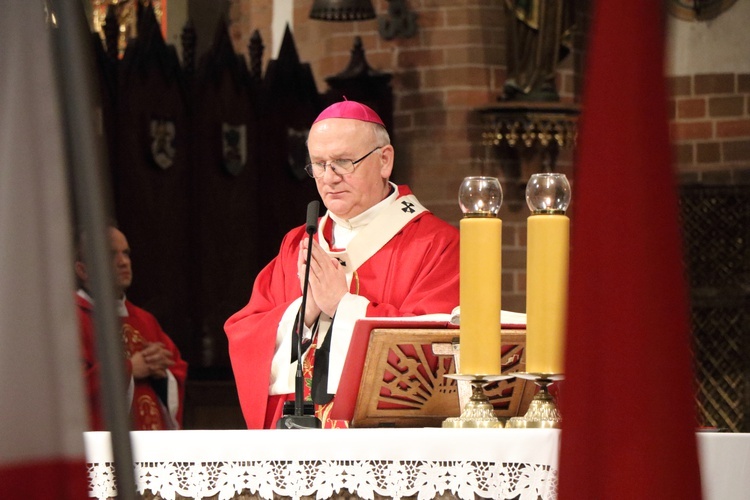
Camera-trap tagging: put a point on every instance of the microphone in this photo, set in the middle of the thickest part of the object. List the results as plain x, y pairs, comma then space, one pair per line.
304, 413
312, 217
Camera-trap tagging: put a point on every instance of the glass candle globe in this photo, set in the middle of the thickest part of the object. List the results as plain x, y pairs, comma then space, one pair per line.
548, 193
480, 196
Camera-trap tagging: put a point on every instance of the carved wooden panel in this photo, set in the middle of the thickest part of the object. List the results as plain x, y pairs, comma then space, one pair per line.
404, 384
290, 104
716, 225
225, 190
150, 175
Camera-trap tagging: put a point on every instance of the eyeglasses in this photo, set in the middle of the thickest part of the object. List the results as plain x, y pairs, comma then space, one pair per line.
342, 167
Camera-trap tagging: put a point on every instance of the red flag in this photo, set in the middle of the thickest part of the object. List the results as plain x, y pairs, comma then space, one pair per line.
629, 416
42, 414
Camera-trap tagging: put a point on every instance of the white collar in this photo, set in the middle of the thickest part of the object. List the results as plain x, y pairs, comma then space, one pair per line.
122, 309
368, 215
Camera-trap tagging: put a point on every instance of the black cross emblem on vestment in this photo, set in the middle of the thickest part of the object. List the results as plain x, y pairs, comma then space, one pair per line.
341, 262
408, 207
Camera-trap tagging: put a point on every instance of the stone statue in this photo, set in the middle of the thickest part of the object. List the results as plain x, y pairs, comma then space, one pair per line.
539, 37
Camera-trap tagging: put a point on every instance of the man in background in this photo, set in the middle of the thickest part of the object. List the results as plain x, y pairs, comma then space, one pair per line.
152, 360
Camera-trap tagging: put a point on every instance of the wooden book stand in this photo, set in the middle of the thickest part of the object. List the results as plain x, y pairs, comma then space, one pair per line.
394, 376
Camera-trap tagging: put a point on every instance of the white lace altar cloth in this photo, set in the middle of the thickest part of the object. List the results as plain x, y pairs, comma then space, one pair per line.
393, 463
323, 479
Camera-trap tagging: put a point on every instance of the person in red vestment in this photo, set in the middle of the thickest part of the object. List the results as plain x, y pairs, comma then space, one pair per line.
377, 253
157, 370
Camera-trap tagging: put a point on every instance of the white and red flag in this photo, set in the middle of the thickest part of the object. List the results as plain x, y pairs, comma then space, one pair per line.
42, 407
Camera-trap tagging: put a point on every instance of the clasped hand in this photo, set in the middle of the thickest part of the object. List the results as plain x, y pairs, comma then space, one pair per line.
152, 361
327, 285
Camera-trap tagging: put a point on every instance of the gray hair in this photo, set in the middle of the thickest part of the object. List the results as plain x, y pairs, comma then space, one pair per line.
381, 135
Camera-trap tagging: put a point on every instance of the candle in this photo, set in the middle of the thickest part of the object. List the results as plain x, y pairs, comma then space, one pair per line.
480, 278
548, 243
481, 267
546, 292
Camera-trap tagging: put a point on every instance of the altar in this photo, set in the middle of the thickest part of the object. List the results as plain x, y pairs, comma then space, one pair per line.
420, 463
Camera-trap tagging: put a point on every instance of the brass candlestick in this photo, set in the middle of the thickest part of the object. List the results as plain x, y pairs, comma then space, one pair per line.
542, 412
479, 412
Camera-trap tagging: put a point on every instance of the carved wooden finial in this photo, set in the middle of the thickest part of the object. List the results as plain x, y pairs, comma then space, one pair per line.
255, 49
111, 30
188, 39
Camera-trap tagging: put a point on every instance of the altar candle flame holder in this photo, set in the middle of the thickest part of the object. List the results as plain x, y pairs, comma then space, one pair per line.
542, 412
478, 412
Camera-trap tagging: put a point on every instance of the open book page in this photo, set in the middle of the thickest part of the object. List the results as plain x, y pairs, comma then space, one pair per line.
506, 317
437, 318
454, 318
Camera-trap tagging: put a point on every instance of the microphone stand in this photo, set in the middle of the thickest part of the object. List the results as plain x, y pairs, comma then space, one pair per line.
303, 419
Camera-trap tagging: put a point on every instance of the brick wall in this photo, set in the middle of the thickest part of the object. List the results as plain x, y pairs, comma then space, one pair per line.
710, 127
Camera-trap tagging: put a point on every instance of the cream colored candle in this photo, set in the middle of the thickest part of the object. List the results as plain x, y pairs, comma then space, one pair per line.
548, 244
481, 268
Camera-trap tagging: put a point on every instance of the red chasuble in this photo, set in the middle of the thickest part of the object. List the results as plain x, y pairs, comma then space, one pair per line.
414, 273
139, 327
